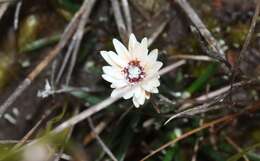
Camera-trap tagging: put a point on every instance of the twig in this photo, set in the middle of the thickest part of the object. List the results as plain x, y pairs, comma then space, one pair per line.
66, 58
73, 58
189, 133
123, 115
193, 57
199, 109
245, 46
65, 61
204, 32
98, 129
166, 99
232, 143
30, 133
88, 4
12, 141
195, 150
127, 14
18, 91
140, 10
54, 67
119, 20
215, 93
227, 118
102, 105
197, 143
3, 8
249, 34
16, 15
102, 144
70, 29
59, 155
157, 32
7, 1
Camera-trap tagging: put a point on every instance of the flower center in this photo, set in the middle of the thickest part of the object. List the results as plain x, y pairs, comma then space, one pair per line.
134, 72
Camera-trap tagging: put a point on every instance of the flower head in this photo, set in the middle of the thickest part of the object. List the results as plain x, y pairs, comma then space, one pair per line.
132, 68
37, 152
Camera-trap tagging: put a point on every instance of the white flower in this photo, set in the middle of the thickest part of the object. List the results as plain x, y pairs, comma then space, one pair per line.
132, 67
46, 92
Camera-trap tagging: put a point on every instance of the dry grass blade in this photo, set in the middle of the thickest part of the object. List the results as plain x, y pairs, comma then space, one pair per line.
3, 8
68, 136
204, 32
11, 141
198, 109
65, 61
97, 130
189, 133
69, 31
102, 144
232, 143
158, 31
216, 93
119, 20
6, 1
226, 118
193, 57
88, 5
249, 34
31, 132
17, 14
126, 10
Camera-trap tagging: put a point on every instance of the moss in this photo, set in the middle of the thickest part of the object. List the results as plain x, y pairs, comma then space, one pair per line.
5, 70
28, 30
236, 34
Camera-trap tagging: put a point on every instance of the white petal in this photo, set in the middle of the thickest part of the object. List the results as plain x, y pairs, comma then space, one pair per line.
138, 50
136, 103
150, 85
129, 94
140, 53
132, 42
110, 78
113, 59
139, 95
154, 82
152, 69
118, 60
153, 55
117, 92
113, 72
142, 97
118, 84
158, 65
155, 90
121, 50
144, 43
105, 55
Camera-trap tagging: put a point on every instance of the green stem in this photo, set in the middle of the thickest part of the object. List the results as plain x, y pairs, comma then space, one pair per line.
40, 43
69, 5
202, 80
